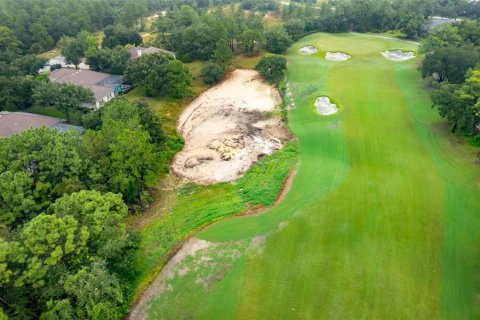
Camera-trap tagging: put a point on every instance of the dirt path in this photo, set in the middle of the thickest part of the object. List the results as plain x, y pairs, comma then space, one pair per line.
189, 248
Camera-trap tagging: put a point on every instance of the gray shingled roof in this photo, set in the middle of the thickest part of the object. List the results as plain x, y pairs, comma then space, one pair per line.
16, 122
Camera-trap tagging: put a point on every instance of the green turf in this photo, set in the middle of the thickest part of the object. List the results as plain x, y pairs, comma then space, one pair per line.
382, 219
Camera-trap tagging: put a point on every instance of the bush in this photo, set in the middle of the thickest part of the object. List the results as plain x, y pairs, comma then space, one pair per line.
272, 68
476, 141
212, 73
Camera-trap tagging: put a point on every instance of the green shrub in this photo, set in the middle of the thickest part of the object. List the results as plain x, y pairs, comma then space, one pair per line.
212, 73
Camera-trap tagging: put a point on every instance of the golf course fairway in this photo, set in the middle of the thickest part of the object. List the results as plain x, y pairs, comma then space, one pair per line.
382, 219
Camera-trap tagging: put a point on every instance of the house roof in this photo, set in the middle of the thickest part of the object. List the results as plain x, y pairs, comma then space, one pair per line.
136, 52
100, 83
79, 77
16, 122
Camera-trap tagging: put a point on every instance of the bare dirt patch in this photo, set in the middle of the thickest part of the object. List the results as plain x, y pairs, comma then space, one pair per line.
337, 56
190, 247
308, 50
398, 55
228, 128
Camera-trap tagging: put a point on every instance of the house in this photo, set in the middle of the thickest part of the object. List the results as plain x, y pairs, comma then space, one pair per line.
434, 22
16, 122
104, 86
136, 52
61, 61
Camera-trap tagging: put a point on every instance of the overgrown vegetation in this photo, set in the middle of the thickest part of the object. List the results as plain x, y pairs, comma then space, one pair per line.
197, 206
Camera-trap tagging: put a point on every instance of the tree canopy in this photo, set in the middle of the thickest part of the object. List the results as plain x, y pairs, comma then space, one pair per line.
159, 75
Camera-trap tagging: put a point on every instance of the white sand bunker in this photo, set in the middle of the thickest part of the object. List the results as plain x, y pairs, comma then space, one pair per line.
226, 130
337, 56
325, 107
398, 55
308, 50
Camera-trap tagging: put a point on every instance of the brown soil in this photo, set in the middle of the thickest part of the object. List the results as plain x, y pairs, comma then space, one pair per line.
228, 128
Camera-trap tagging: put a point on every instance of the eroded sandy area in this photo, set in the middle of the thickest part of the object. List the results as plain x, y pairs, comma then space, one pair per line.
228, 128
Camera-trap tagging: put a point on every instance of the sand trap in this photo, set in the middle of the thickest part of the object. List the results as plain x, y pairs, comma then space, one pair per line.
226, 130
308, 50
398, 55
325, 107
337, 56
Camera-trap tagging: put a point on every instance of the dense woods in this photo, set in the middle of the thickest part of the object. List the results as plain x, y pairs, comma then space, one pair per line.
63, 201
452, 54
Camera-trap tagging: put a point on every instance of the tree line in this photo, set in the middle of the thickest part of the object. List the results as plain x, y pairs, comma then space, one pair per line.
452, 57
65, 252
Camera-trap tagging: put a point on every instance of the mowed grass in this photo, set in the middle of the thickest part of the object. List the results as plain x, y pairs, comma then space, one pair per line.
382, 218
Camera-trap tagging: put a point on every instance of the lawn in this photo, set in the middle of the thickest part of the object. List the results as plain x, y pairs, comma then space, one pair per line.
382, 218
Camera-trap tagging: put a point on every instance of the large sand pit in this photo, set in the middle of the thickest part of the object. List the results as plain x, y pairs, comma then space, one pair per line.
228, 128
337, 56
398, 55
308, 50
325, 107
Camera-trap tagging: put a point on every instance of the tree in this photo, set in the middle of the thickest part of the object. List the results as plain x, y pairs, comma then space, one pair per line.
10, 46
65, 97
222, 55
101, 214
42, 41
251, 41
212, 73
97, 292
413, 25
119, 35
443, 36
122, 152
29, 65
295, 28
450, 63
108, 60
72, 50
16, 92
179, 78
59, 310
159, 75
40, 165
44, 242
16, 199
277, 40
449, 103
272, 68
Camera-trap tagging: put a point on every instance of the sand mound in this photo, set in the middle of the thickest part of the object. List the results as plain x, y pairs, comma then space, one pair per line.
398, 55
226, 132
308, 50
325, 107
337, 56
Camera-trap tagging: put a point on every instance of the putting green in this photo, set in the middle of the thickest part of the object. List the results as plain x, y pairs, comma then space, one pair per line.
382, 218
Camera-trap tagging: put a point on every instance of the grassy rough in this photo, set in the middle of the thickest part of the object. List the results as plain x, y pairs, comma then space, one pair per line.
198, 206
